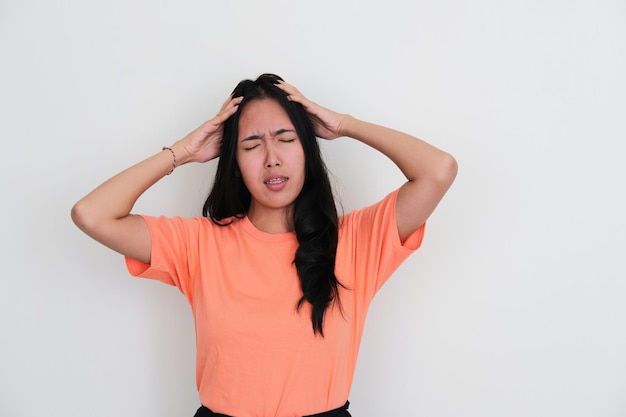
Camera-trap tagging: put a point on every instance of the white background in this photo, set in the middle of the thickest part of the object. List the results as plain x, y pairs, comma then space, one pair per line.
514, 306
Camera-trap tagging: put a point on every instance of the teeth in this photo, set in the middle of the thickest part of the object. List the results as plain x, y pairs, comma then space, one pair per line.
276, 181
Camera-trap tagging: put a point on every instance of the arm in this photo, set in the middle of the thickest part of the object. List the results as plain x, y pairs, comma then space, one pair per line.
429, 171
104, 213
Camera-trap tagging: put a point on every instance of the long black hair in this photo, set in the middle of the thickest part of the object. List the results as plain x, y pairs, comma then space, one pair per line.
315, 218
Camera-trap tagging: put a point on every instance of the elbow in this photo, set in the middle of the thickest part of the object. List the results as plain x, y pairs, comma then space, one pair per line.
82, 216
77, 214
446, 171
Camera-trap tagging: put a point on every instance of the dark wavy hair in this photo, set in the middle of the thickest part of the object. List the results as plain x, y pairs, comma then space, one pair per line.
315, 218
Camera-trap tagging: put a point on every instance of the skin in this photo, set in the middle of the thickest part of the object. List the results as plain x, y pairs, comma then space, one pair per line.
429, 171
269, 150
104, 213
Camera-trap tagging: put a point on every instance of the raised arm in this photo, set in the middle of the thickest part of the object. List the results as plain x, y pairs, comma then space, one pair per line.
429, 171
104, 213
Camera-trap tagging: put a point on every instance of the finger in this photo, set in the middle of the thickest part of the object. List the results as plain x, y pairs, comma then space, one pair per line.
229, 107
289, 89
230, 101
225, 104
294, 94
222, 116
227, 110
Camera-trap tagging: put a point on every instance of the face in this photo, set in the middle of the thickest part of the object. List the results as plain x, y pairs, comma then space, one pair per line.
270, 158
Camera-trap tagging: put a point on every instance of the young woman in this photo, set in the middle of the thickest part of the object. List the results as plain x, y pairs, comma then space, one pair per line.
278, 283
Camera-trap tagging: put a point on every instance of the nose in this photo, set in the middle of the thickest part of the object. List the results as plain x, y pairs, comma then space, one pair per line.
271, 157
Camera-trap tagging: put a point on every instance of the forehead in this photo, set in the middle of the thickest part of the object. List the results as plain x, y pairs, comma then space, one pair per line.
263, 116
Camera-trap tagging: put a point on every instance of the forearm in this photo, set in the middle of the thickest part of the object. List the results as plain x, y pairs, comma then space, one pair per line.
416, 159
115, 198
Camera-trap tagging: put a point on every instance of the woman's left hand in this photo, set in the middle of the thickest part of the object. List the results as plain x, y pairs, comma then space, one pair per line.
326, 123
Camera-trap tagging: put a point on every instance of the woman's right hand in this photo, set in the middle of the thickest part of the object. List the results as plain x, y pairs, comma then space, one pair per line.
203, 144
104, 213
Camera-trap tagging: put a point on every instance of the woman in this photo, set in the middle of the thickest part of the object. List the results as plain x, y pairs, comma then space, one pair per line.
279, 285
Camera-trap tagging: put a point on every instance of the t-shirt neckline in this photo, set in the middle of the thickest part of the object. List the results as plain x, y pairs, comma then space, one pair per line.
251, 229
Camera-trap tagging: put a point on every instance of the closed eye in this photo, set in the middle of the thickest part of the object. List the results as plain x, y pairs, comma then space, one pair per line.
287, 140
249, 148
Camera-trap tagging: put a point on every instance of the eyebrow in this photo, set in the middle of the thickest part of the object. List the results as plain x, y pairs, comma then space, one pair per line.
276, 133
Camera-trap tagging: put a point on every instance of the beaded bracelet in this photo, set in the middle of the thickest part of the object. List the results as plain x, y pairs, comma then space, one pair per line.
173, 157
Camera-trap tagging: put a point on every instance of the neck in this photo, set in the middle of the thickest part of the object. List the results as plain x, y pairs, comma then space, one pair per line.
271, 221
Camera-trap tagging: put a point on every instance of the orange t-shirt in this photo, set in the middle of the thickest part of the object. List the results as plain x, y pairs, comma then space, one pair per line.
256, 354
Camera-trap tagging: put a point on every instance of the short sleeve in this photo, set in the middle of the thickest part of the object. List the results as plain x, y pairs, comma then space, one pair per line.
371, 245
173, 242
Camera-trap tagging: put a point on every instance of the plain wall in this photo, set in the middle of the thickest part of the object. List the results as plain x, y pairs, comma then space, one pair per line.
514, 306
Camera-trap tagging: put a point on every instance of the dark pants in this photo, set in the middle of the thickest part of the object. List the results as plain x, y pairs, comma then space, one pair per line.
337, 412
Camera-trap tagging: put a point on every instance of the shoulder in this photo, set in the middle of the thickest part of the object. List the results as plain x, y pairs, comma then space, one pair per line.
384, 208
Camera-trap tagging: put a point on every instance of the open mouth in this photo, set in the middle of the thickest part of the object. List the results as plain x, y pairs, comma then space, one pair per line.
273, 181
